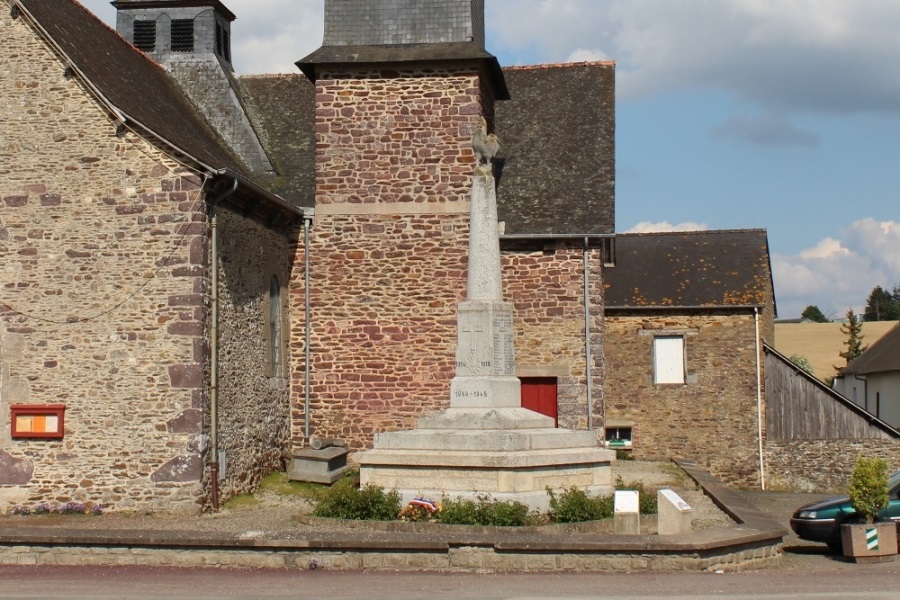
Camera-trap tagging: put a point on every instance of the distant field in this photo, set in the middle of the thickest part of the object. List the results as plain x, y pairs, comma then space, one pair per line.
822, 343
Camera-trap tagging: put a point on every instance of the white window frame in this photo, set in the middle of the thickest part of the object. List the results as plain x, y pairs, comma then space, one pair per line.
669, 360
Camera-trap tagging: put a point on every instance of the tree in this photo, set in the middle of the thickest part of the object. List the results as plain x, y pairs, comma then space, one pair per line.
813, 313
882, 306
853, 330
802, 363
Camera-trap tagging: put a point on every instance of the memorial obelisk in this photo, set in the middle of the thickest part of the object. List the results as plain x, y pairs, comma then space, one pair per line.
485, 442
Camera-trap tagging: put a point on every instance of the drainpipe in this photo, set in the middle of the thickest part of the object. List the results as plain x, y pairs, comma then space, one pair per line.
762, 470
308, 325
865, 391
214, 343
588, 358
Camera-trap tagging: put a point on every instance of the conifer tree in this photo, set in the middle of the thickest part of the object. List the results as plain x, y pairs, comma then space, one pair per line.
853, 330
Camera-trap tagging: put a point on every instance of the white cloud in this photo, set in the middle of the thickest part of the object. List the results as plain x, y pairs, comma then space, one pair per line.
801, 55
837, 274
663, 226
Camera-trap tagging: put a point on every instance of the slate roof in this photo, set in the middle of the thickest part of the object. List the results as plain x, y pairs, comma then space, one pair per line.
883, 355
138, 87
700, 269
555, 179
282, 110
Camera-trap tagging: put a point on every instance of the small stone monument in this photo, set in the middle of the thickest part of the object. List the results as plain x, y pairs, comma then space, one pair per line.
627, 512
485, 442
673, 513
325, 461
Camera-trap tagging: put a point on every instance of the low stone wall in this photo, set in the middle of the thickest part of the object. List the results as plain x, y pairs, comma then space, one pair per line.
424, 558
822, 465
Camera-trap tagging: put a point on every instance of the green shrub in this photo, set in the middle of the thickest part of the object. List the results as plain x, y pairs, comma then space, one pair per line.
869, 487
575, 506
370, 503
484, 511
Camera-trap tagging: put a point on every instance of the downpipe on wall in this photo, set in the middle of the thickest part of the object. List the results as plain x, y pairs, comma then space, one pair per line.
588, 358
308, 326
214, 343
759, 409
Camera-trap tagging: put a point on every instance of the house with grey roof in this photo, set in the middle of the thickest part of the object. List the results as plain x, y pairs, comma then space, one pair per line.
687, 315
872, 380
204, 271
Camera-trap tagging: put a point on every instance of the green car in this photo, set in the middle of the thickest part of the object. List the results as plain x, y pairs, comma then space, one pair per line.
821, 521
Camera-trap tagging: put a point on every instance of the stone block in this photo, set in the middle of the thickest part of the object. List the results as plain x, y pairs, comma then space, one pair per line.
626, 514
318, 466
674, 514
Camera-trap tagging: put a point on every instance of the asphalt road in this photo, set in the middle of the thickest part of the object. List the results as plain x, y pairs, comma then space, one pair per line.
869, 582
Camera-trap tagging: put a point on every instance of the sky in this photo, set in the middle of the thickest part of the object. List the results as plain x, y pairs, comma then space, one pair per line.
782, 115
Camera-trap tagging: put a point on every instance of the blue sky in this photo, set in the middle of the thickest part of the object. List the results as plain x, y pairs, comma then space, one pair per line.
731, 114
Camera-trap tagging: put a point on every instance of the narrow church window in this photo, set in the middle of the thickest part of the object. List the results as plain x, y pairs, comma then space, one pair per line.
274, 325
668, 359
144, 35
182, 35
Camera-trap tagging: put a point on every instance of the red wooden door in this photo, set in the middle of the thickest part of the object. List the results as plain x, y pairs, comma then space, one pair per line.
539, 395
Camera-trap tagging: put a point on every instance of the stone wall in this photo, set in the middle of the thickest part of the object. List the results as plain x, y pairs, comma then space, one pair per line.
822, 466
384, 294
254, 386
101, 256
547, 291
713, 418
388, 248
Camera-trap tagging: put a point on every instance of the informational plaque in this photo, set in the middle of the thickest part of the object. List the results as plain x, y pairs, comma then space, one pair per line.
37, 420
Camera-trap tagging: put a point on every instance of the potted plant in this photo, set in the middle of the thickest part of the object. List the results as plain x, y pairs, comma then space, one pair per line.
868, 540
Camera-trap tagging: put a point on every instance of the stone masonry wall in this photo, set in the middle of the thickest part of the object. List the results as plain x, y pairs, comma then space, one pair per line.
388, 248
822, 466
101, 271
711, 420
547, 291
384, 295
397, 137
254, 399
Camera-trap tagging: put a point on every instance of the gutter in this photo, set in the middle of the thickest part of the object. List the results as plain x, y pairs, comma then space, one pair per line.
688, 307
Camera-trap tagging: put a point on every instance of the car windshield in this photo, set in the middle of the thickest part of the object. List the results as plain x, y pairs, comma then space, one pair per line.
894, 481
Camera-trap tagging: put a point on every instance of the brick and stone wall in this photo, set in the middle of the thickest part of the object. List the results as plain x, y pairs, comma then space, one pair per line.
712, 419
384, 295
254, 392
388, 247
101, 262
547, 291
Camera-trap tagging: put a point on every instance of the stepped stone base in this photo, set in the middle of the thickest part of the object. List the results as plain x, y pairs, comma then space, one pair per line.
506, 464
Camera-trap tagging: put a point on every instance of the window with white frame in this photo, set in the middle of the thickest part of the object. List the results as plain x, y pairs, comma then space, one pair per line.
668, 359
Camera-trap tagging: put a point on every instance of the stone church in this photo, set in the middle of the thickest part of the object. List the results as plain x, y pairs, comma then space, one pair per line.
203, 271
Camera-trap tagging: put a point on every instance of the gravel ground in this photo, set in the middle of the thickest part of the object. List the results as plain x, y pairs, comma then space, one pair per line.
281, 515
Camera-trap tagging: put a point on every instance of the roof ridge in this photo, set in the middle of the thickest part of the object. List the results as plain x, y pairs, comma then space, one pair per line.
585, 63
694, 232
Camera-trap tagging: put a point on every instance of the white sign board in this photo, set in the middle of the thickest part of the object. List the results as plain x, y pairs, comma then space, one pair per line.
675, 500
626, 501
